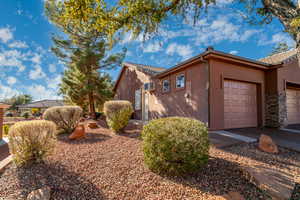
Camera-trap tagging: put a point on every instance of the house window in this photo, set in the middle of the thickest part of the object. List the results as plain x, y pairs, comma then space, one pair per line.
146, 86
180, 81
137, 99
166, 85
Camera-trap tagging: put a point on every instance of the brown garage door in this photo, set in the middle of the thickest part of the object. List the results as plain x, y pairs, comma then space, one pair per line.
240, 104
293, 106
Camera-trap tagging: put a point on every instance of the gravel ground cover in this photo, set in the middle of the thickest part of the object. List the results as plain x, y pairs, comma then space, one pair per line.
108, 166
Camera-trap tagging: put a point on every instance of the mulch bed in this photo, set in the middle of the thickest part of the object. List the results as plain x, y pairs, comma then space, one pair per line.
109, 166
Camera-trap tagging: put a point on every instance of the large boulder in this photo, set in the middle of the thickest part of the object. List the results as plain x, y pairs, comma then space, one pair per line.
266, 144
78, 133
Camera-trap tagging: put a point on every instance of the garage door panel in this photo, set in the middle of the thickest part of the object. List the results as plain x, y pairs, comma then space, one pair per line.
293, 106
240, 104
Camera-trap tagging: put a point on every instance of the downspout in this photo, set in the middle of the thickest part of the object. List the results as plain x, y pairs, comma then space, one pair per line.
208, 89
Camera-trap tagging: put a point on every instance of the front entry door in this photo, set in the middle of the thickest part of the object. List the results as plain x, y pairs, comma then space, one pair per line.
146, 107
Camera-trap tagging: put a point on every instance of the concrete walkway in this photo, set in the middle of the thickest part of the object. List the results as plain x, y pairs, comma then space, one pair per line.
221, 141
290, 130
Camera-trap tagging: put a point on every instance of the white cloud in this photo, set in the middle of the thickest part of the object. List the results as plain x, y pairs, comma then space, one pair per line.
40, 92
7, 92
280, 37
12, 58
36, 73
129, 37
234, 52
18, 44
185, 51
5, 34
54, 82
224, 2
52, 68
36, 58
11, 80
213, 30
152, 47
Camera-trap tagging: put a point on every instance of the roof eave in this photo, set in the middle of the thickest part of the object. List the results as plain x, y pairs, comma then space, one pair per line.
237, 59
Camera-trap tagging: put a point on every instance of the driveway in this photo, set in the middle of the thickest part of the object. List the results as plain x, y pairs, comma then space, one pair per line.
282, 138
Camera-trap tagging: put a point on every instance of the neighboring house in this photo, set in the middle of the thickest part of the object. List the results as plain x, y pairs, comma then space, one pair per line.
3, 106
41, 105
220, 89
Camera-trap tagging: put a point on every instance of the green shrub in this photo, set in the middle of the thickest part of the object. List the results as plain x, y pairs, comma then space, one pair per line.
117, 114
9, 114
31, 141
175, 145
26, 114
5, 130
65, 117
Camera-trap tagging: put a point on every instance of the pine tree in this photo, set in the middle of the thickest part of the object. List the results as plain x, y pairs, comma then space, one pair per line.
84, 82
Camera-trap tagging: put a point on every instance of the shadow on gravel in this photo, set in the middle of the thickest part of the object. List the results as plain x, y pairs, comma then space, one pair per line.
251, 151
89, 138
132, 131
219, 177
296, 193
64, 184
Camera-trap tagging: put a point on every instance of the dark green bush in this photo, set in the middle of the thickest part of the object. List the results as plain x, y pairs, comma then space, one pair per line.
26, 114
175, 145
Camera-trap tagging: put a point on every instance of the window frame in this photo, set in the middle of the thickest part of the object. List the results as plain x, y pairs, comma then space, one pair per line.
135, 101
184, 82
163, 91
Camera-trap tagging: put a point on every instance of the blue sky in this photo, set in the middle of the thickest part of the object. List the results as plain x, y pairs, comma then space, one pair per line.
28, 67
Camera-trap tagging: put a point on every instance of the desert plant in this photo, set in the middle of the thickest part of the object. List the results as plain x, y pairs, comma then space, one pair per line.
9, 114
175, 145
31, 141
26, 114
117, 114
65, 117
5, 129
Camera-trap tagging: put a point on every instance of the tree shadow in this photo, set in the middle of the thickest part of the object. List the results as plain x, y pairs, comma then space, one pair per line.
89, 138
219, 177
132, 130
64, 184
296, 193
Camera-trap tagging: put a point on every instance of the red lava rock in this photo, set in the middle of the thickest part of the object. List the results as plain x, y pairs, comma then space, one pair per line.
267, 144
78, 133
92, 125
233, 196
111, 167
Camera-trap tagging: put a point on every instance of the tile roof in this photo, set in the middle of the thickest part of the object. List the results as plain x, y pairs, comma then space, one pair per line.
280, 57
146, 68
42, 104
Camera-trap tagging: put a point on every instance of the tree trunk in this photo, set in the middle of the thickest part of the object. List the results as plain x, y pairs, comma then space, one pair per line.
92, 105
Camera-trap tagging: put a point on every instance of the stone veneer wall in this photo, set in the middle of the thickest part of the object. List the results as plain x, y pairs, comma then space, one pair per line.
1, 121
276, 110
